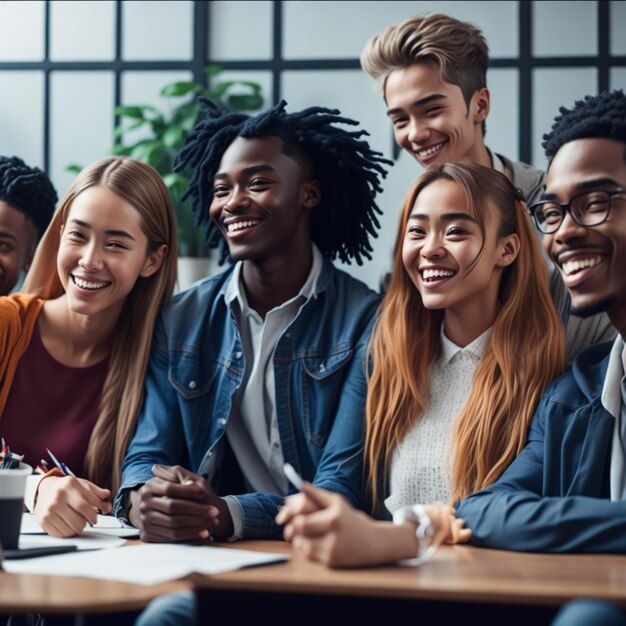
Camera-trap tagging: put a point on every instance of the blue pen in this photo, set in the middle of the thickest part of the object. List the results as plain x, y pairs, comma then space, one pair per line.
68, 471
64, 468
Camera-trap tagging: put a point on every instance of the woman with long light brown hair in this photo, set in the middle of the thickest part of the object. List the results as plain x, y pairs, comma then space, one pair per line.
466, 341
77, 339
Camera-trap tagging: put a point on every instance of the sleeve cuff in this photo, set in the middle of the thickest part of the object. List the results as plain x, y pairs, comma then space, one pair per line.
32, 487
236, 514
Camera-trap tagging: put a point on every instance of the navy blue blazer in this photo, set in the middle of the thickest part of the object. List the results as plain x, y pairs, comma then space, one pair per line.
555, 496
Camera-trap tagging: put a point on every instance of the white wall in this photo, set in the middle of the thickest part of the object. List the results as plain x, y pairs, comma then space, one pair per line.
81, 103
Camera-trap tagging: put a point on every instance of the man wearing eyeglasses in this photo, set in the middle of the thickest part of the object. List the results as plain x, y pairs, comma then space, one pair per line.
566, 491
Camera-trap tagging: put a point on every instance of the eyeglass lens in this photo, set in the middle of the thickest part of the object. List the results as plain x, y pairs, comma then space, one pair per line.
588, 209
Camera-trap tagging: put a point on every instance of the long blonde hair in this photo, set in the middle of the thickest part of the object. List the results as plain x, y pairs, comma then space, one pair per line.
524, 353
122, 395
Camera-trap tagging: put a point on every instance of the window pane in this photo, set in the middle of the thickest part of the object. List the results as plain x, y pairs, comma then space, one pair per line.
21, 116
553, 88
565, 29
82, 31
321, 30
618, 78
81, 121
157, 30
22, 30
618, 20
240, 30
503, 121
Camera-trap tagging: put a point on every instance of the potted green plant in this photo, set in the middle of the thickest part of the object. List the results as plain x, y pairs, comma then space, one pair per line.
166, 132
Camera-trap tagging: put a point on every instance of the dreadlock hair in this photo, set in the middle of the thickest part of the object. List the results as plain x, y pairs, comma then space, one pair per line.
347, 169
602, 116
29, 190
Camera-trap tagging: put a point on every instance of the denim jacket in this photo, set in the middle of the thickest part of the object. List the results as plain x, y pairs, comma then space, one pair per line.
555, 496
197, 364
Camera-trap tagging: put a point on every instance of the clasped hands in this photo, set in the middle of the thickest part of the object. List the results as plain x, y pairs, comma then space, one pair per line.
179, 506
322, 526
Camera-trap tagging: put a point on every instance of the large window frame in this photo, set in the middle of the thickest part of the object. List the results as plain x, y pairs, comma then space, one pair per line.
525, 63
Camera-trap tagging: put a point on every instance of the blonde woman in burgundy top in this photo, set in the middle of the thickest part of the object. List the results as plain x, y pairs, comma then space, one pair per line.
75, 349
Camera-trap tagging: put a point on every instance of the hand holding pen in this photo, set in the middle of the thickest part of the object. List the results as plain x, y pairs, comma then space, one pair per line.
324, 527
65, 504
65, 470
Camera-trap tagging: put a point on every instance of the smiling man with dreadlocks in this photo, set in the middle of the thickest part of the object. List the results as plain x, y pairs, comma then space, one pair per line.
264, 363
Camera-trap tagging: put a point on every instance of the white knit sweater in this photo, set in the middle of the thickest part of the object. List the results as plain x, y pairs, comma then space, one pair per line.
420, 465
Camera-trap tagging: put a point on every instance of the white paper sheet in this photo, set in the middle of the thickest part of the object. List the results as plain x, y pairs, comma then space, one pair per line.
106, 525
85, 541
146, 564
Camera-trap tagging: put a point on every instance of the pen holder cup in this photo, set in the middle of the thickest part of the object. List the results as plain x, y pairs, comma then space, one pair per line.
12, 488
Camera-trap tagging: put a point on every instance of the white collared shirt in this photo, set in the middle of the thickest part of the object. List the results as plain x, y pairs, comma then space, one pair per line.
252, 428
420, 465
614, 401
496, 162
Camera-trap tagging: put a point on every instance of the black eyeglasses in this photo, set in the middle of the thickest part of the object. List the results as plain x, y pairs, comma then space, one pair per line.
587, 209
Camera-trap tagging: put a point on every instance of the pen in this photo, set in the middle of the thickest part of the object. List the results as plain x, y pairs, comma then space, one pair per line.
8, 459
64, 468
294, 478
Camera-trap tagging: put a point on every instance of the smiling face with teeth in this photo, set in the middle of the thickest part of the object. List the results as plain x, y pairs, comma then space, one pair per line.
431, 119
102, 252
453, 264
262, 200
591, 259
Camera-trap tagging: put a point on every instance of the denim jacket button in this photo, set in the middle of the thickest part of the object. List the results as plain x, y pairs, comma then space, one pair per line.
192, 384
221, 421
322, 368
238, 355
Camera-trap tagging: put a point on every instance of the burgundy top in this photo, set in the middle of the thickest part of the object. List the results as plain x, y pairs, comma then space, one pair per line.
51, 405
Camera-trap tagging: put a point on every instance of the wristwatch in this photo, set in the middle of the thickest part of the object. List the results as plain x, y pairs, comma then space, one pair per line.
424, 531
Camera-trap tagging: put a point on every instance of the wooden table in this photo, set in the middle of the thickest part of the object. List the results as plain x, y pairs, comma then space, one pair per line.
461, 584
28, 593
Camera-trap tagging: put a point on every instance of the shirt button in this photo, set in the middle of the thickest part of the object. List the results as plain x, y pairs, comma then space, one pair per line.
192, 384
288, 335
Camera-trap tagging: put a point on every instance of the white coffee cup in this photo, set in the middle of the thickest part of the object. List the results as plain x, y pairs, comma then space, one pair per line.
12, 489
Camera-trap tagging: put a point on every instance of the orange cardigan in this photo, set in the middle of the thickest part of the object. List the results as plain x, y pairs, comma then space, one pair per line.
18, 316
